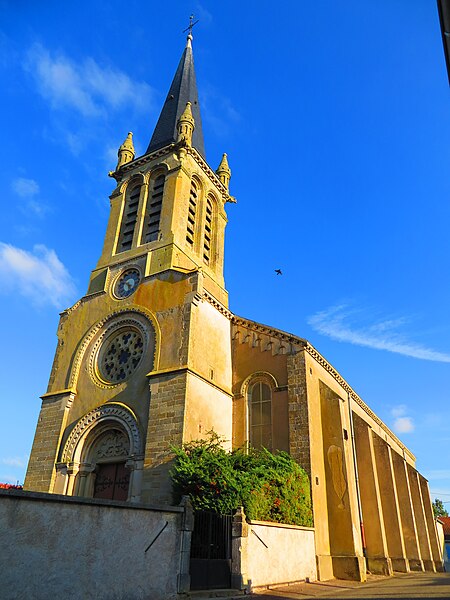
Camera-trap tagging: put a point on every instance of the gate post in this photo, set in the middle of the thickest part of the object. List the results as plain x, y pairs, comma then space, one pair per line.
239, 535
187, 526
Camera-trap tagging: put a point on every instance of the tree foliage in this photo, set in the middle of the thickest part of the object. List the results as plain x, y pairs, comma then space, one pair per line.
438, 508
270, 487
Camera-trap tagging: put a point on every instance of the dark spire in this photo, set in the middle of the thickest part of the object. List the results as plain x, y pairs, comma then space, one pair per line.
182, 90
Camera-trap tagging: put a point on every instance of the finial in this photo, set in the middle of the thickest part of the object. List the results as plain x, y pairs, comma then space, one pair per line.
189, 28
223, 171
186, 125
126, 151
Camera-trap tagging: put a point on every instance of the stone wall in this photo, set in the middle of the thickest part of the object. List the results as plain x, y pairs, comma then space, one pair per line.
65, 547
299, 435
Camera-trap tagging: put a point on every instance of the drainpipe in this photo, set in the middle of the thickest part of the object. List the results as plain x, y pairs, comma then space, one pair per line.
358, 493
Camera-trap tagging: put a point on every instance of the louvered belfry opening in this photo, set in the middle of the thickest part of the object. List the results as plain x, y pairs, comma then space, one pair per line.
192, 211
129, 219
208, 232
150, 232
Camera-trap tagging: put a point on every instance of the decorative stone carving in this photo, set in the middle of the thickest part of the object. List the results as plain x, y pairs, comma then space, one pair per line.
120, 355
111, 444
118, 351
263, 376
107, 412
141, 318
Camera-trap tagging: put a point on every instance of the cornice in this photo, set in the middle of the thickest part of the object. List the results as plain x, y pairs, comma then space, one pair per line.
354, 396
79, 302
218, 305
211, 174
271, 331
190, 370
146, 158
143, 160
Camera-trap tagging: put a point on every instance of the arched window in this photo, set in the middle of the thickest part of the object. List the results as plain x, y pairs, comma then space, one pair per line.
192, 213
129, 218
260, 415
150, 231
207, 238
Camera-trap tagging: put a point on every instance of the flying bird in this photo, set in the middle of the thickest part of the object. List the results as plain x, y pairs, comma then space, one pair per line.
278, 272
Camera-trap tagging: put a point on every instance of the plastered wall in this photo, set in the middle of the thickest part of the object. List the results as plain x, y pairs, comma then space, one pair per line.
279, 554
108, 556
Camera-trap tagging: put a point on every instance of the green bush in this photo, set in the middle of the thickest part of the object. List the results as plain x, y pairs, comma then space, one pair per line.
270, 487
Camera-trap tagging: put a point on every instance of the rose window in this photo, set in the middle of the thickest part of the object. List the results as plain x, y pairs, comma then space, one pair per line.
120, 355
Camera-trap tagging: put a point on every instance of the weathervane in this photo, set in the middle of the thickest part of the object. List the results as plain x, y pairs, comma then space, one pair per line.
191, 25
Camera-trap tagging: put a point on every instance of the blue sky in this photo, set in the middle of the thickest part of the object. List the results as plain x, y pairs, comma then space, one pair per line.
335, 118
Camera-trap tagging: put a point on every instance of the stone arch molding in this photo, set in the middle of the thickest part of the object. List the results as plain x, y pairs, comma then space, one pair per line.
147, 323
263, 376
111, 413
137, 178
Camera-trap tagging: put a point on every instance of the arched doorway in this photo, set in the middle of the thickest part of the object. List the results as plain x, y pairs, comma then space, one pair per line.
106, 458
103, 456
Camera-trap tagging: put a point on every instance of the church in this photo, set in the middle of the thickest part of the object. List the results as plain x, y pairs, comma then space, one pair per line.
151, 357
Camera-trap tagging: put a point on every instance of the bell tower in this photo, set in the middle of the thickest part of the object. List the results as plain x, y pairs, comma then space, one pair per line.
168, 206
144, 358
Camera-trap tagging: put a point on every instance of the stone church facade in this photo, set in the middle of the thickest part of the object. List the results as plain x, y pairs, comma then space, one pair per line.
151, 356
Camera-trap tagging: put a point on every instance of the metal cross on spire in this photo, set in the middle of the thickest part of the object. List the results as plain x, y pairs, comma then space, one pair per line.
191, 25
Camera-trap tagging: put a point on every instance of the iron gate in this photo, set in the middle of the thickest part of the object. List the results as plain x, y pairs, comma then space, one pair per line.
211, 551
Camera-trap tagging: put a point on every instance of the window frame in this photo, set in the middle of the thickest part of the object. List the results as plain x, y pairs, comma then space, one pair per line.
262, 378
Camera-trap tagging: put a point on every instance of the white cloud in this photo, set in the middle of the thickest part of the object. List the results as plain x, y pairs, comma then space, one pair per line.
338, 323
402, 422
87, 87
25, 188
403, 425
38, 275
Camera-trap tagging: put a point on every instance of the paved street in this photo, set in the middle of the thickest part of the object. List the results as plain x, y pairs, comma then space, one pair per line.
413, 585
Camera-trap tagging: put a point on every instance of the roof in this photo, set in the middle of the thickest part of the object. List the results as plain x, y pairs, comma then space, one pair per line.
446, 525
444, 18
182, 90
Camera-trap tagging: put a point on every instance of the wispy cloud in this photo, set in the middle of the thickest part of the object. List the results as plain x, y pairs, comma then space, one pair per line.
28, 189
38, 275
399, 411
87, 87
344, 324
203, 14
218, 111
25, 188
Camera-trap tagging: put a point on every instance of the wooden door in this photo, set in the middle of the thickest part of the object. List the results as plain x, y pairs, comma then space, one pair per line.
112, 481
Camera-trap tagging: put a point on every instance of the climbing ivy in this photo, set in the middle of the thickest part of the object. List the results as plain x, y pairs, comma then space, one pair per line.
270, 487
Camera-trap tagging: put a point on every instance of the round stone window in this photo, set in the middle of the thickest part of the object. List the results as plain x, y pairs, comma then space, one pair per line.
120, 355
